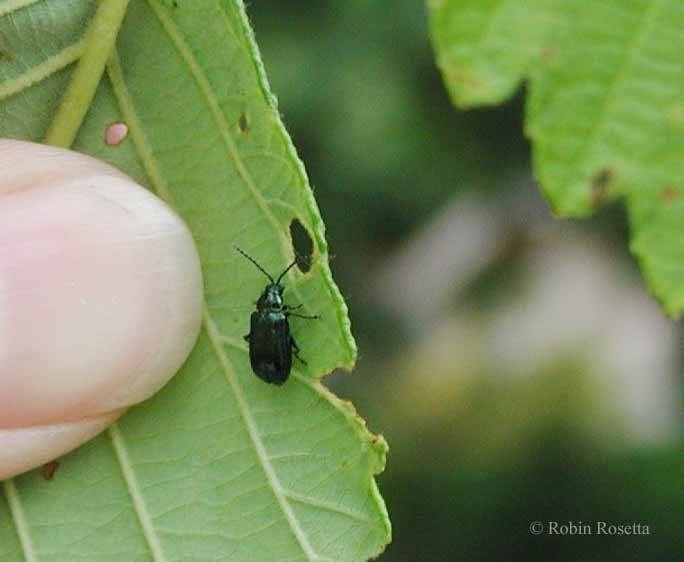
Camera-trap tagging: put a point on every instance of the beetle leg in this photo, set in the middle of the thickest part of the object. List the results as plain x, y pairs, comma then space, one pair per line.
305, 316
288, 308
295, 350
247, 337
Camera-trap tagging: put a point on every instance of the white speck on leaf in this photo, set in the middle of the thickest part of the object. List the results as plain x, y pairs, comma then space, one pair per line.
116, 133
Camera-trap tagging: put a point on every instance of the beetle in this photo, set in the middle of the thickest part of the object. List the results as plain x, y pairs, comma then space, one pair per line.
270, 343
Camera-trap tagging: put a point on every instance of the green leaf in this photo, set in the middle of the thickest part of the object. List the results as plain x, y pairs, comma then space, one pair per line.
605, 108
218, 465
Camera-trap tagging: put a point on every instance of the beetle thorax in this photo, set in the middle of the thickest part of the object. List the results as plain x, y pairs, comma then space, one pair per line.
271, 298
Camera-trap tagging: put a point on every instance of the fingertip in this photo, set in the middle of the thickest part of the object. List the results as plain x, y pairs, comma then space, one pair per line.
101, 295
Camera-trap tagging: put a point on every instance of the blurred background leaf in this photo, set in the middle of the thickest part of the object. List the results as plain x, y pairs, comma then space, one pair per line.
605, 110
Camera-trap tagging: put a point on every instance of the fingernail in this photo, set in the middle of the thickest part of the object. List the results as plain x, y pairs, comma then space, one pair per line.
24, 448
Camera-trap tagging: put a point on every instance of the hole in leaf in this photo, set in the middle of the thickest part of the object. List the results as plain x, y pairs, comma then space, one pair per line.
600, 184
243, 124
302, 245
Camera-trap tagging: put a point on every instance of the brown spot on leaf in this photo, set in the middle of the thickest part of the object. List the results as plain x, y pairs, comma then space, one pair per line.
4, 53
668, 194
600, 185
49, 470
463, 78
243, 124
675, 115
549, 53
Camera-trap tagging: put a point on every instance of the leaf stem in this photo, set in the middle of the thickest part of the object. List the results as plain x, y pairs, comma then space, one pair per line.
99, 42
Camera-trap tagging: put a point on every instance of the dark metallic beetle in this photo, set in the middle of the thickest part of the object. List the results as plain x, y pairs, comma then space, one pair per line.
270, 343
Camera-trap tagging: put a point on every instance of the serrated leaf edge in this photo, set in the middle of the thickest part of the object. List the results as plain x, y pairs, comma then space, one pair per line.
310, 201
215, 337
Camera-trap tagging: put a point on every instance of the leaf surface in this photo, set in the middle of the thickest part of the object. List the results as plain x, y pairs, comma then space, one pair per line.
605, 108
218, 465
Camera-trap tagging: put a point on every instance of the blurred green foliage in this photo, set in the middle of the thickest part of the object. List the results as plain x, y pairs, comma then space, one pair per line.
604, 108
471, 463
369, 115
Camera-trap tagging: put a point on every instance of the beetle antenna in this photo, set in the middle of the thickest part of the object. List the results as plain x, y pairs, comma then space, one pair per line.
288, 268
250, 258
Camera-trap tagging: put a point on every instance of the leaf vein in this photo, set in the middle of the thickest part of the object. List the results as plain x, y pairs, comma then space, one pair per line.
44, 70
136, 494
15, 5
269, 471
135, 128
212, 101
329, 506
631, 49
19, 519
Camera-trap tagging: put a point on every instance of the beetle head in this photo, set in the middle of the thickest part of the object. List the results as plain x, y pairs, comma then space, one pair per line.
272, 297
